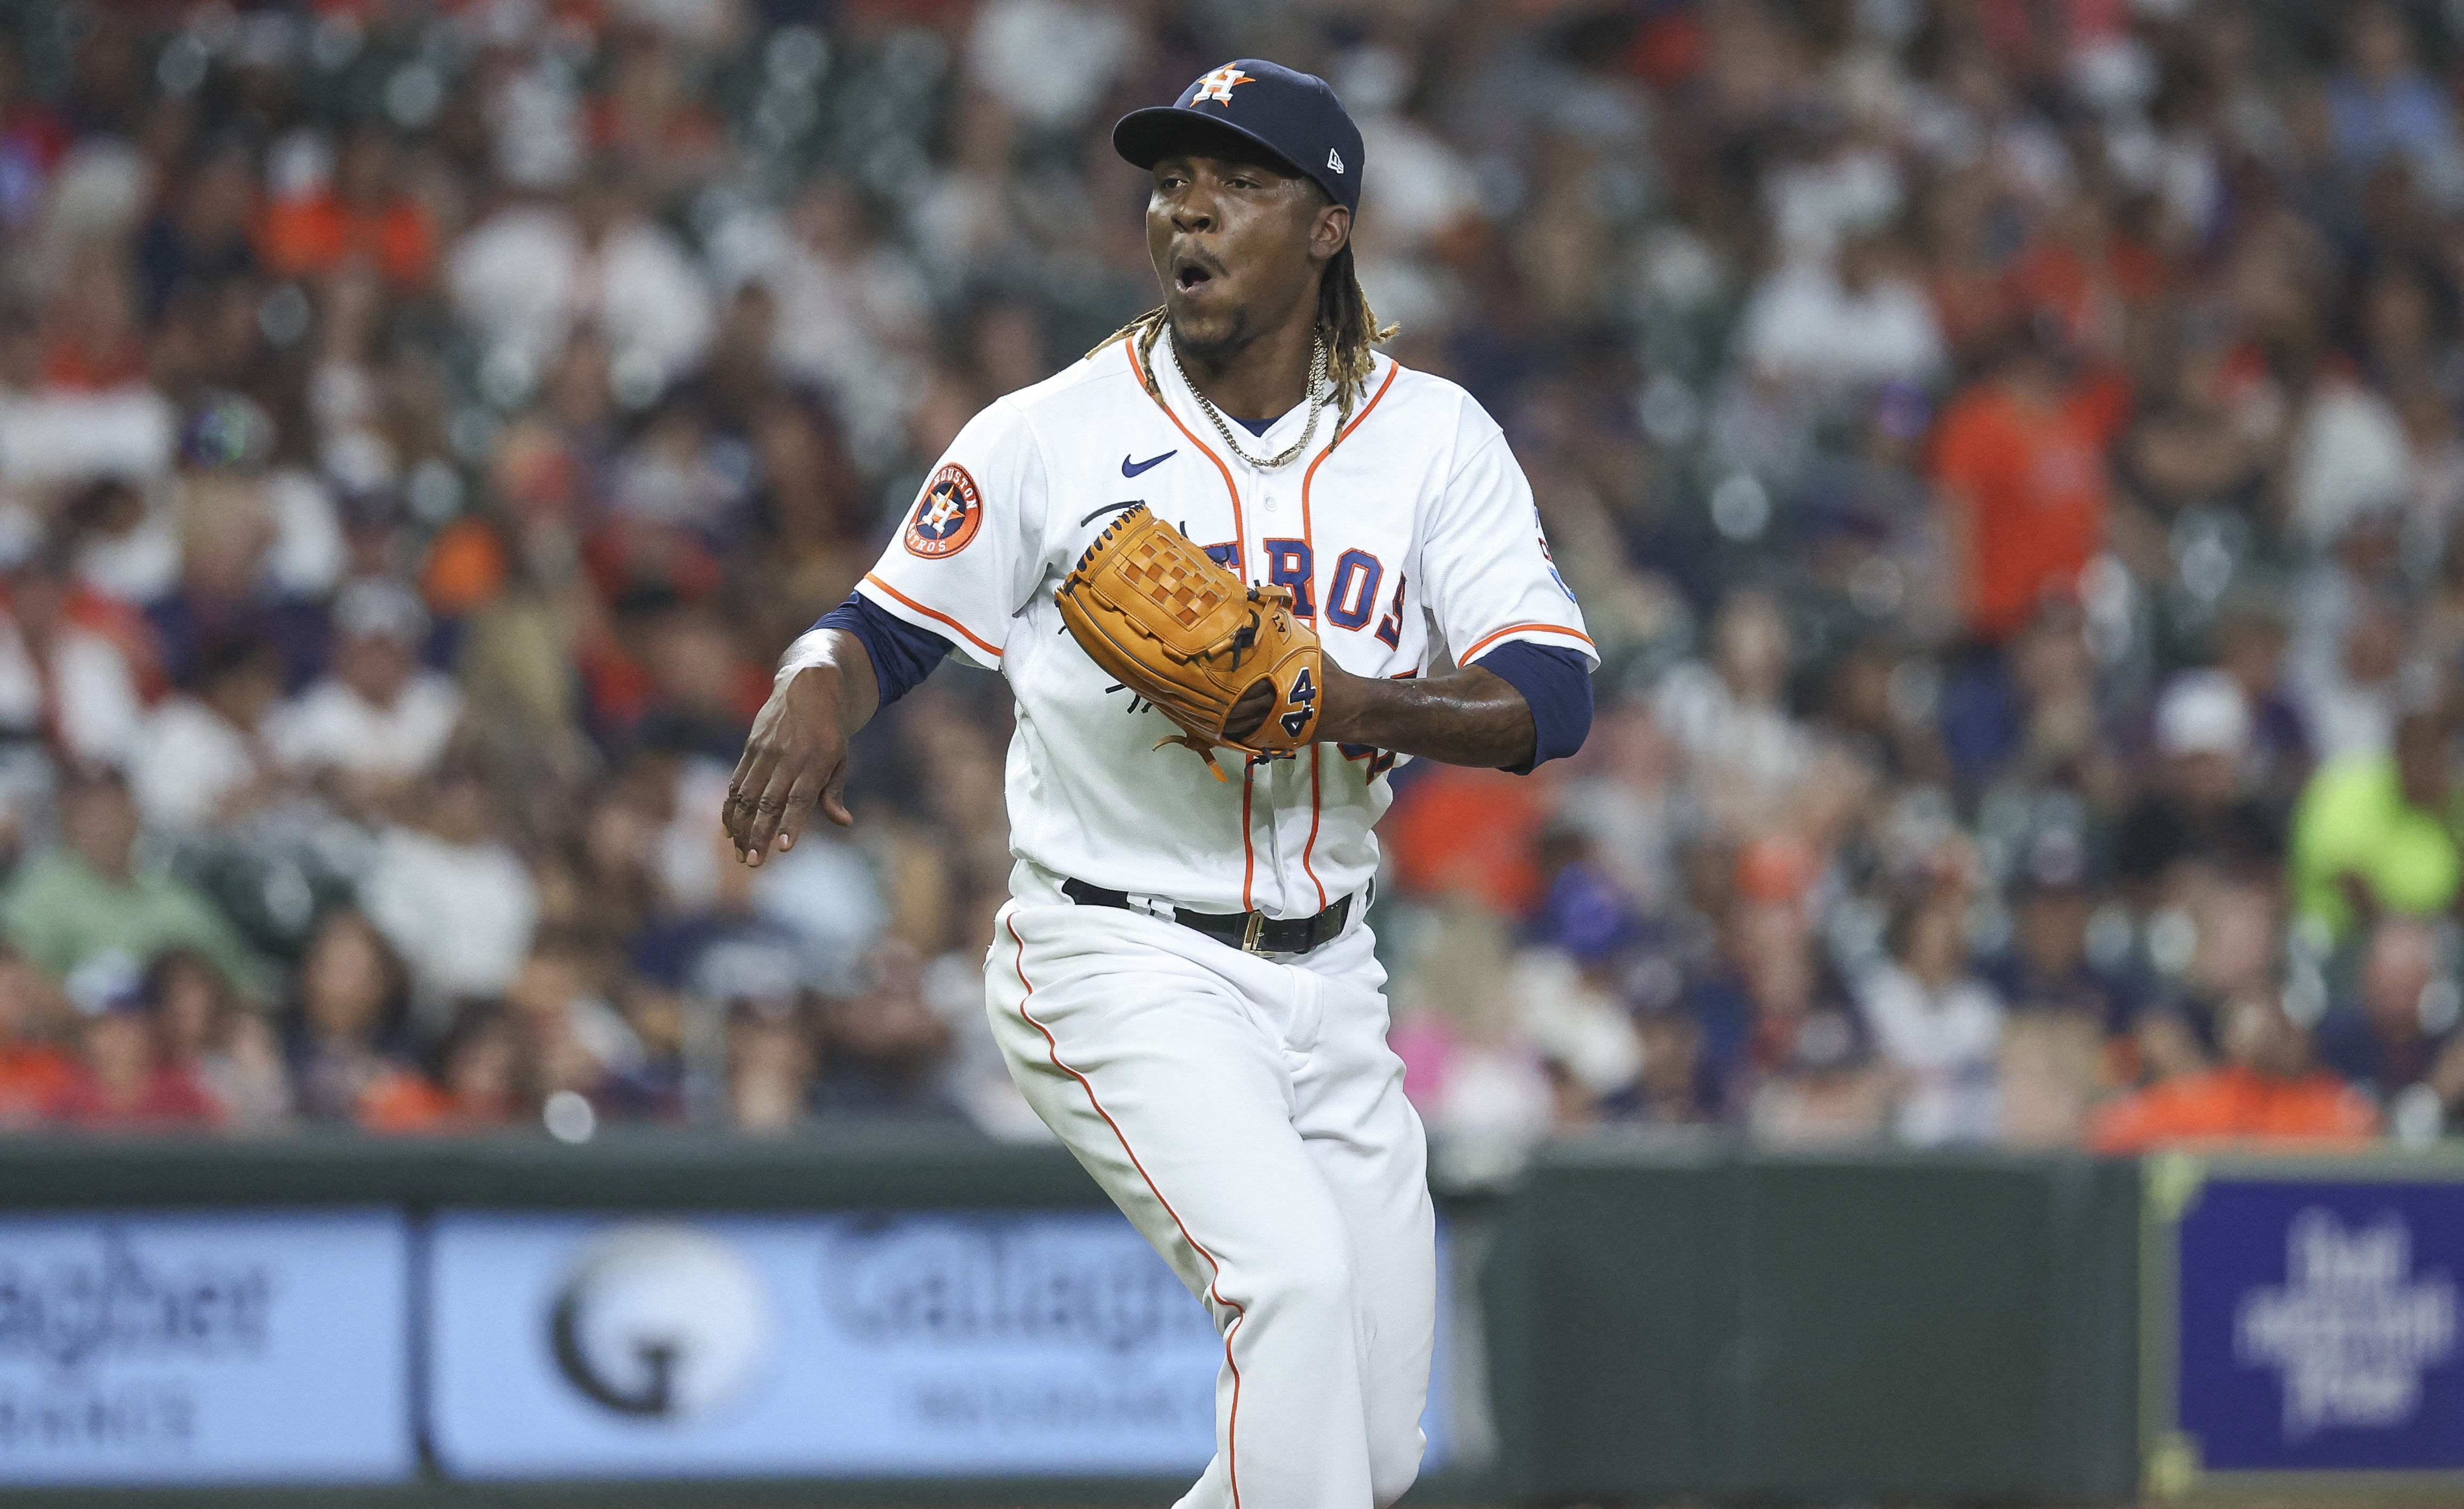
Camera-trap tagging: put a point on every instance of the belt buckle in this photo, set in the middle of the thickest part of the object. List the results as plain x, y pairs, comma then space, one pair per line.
1257, 924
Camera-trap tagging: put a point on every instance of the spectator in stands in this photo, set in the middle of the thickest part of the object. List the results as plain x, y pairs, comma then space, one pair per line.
33, 140
1835, 329
1567, 997
1458, 831
1731, 720
668, 134
90, 898
884, 1050
1671, 1090
1811, 1076
201, 237
2020, 459
348, 1026
382, 719
1937, 1027
2399, 1033
1759, 964
203, 1031
240, 535
2046, 967
2051, 1073
532, 275
311, 228
450, 896
852, 315
769, 1066
1785, 1051
2234, 929
2384, 106
670, 1074
2186, 447
34, 1075
61, 680
1466, 1065
2266, 1089
579, 1041
124, 1081
2024, 714
2353, 695
202, 762
697, 683
477, 1080
2377, 832
2250, 640
2195, 813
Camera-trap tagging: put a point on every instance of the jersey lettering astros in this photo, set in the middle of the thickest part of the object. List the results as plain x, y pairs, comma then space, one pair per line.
1420, 515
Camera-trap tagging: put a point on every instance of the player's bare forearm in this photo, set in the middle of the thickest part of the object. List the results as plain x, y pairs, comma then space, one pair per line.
1471, 717
796, 756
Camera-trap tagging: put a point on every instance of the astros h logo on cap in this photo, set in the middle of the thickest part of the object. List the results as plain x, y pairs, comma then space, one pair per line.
1220, 84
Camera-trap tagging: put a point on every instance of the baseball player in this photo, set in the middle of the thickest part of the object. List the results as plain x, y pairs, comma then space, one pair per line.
1216, 559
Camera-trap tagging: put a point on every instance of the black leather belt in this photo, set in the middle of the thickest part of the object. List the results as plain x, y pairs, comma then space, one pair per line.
1250, 932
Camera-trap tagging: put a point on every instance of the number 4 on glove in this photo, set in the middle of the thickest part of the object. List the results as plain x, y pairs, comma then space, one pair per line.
1303, 696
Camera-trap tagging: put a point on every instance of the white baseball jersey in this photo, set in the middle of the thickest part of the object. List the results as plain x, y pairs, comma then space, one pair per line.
1419, 509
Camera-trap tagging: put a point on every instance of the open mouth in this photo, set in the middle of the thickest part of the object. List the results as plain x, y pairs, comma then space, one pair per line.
1191, 276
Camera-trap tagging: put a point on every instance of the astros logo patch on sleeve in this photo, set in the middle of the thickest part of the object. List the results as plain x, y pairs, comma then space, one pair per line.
946, 515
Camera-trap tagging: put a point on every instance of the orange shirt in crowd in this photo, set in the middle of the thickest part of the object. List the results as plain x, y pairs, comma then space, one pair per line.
317, 232
406, 1103
2235, 1101
403, 1102
1461, 830
2031, 481
34, 1078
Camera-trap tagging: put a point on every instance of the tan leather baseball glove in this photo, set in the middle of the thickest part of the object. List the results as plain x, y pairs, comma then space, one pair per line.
1182, 632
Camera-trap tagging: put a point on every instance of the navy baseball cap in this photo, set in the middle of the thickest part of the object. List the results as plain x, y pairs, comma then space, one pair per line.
1292, 114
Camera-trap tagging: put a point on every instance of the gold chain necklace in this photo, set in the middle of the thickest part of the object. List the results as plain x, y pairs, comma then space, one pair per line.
1317, 401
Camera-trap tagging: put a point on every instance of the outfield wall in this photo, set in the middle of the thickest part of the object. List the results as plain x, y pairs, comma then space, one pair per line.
891, 1318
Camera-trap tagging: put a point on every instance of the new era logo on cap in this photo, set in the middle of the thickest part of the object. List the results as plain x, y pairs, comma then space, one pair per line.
1334, 158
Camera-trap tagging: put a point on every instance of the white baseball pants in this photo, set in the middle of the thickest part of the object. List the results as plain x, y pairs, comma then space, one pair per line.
1246, 1115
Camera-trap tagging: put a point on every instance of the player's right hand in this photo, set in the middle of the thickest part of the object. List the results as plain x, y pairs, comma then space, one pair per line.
795, 757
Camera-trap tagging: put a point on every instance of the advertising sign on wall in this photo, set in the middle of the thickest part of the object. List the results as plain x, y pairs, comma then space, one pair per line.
2304, 1329
823, 1345
204, 1349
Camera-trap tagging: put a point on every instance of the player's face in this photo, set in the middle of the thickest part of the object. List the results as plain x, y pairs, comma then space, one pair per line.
1238, 245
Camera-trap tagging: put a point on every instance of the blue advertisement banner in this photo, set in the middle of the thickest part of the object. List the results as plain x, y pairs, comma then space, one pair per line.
817, 1345
179, 1348
2316, 1326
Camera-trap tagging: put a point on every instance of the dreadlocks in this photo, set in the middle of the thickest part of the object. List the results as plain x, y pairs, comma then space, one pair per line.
1345, 323
1350, 327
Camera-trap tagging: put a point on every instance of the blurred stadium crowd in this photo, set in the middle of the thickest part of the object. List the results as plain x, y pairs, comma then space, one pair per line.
2008, 452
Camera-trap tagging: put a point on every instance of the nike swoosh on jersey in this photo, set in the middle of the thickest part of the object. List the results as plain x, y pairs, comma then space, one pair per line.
1128, 470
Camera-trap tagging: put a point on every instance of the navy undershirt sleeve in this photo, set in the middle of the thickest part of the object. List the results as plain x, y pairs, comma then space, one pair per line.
902, 654
1558, 684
